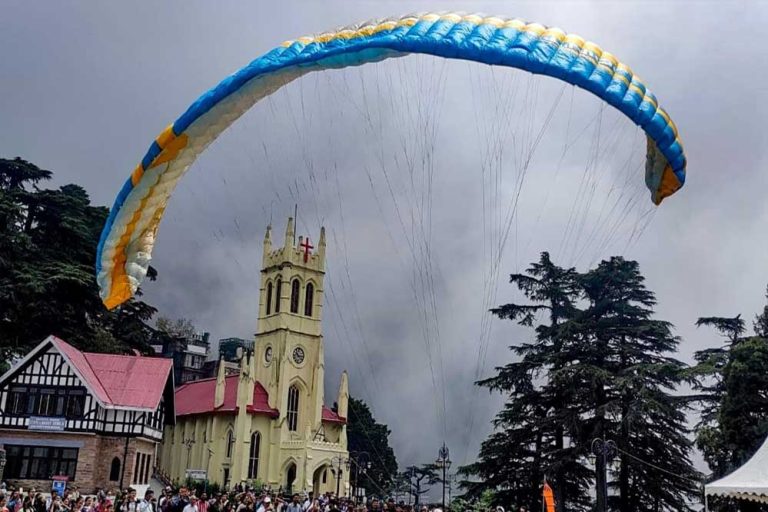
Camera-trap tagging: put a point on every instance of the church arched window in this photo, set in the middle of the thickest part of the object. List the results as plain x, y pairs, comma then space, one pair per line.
253, 460
278, 294
308, 299
293, 408
269, 297
114, 470
230, 443
295, 296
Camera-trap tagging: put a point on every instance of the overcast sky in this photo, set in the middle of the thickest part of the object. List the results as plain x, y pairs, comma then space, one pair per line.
86, 86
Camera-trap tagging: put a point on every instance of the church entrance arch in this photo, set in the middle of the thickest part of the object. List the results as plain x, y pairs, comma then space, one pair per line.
290, 478
320, 479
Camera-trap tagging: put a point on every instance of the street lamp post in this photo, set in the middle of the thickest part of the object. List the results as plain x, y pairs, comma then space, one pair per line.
443, 461
604, 450
338, 471
362, 463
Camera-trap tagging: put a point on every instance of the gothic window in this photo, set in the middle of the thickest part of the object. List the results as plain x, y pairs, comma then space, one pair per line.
114, 470
310, 295
295, 296
230, 443
278, 294
293, 408
269, 297
253, 461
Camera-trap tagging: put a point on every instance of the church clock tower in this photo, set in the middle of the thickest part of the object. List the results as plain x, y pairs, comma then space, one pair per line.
289, 342
269, 423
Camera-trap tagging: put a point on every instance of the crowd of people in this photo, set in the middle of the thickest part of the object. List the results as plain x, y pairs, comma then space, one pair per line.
184, 499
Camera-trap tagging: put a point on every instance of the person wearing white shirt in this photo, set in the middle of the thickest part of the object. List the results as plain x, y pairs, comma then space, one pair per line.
192, 507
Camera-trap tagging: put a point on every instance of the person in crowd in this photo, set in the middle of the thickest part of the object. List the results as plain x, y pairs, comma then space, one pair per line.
40, 503
148, 504
192, 506
3, 506
129, 502
266, 505
295, 504
28, 504
202, 504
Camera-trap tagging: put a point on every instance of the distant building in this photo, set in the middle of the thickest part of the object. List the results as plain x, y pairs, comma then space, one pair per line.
269, 421
212, 368
94, 418
231, 349
189, 355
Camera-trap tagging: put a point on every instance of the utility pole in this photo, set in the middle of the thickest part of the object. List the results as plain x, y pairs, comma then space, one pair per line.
604, 451
443, 461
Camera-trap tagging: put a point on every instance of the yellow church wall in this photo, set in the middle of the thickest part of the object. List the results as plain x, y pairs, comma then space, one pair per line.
314, 447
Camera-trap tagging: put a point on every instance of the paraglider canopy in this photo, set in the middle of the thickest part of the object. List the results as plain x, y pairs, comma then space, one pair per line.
126, 244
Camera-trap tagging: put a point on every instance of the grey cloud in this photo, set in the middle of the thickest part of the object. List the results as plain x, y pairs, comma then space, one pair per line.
87, 85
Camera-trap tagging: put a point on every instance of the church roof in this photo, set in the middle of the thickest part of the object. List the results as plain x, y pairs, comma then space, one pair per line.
197, 397
116, 381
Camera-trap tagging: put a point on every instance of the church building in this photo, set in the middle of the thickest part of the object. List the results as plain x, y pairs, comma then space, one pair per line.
269, 422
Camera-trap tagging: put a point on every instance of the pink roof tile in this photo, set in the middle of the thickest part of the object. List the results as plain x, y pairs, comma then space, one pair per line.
197, 398
119, 380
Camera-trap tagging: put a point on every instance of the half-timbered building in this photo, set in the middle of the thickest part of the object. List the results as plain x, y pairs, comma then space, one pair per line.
95, 418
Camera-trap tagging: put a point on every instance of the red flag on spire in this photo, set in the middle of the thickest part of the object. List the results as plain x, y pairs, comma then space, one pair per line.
549, 498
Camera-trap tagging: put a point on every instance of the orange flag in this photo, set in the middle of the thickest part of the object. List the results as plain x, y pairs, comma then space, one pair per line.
549, 498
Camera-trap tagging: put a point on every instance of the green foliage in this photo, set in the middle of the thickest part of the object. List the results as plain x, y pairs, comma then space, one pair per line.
419, 478
599, 368
732, 383
179, 328
485, 502
529, 443
733, 380
48, 242
618, 359
365, 435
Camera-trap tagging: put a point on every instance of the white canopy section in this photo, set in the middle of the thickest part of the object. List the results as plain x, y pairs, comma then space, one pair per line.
749, 482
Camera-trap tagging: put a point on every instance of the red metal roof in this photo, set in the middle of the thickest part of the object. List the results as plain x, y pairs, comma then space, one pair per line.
332, 417
118, 380
197, 398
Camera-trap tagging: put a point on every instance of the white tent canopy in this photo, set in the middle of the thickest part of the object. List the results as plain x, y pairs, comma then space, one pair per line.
749, 482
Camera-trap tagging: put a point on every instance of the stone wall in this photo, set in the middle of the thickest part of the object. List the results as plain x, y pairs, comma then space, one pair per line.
94, 458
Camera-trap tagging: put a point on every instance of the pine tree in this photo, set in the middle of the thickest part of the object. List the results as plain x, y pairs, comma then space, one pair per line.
733, 380
48, 242
366, 436
531, 431
616, 355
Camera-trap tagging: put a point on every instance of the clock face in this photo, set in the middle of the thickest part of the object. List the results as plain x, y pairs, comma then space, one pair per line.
268, 355
298, 355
